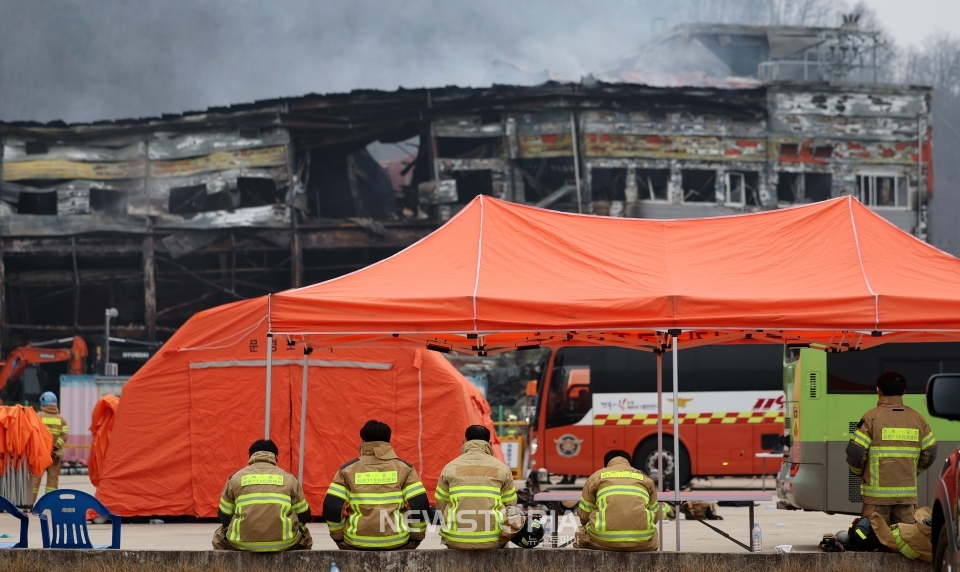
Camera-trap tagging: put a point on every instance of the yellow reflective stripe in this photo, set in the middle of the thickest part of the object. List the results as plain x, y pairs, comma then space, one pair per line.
261, 498
621, 475
226, 507
261, 479
476, 491
301, 506
888, 492
510, 495
861, 533
376, 478
928, 441
471, 537
270, 546
51, 421
856, 471
905, 449
587, 506
334, 526
338, 491
899, 434
623, 490
366, 499
620, 535
413, 490
418, 526
862, 439
441, 494
475, 488
377, 541
903, 547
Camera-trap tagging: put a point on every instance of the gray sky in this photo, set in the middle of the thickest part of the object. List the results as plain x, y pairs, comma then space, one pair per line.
83, 60
910, 21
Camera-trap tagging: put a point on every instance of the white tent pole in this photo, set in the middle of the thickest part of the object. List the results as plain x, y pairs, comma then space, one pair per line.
303, 411
660, 440
266, 430
676, 436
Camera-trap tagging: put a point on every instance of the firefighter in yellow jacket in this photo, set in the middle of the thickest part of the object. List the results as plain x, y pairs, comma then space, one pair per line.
57, 425
477, 497
890, 447
262, 508
376, 502
618, 508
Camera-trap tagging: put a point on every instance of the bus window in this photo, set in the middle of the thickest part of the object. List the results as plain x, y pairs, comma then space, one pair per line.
569, 397
857, 372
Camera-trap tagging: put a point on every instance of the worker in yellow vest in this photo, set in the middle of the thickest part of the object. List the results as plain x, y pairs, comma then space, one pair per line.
262, 507
57, 425
890, 447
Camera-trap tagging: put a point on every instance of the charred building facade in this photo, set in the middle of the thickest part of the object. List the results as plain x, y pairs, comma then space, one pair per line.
163, 217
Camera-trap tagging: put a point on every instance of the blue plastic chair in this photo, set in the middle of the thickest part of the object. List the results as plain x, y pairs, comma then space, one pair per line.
7, 506
68, 519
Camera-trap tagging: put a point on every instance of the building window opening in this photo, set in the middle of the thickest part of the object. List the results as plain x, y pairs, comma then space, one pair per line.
741, 189
609, 184
823, 151
699, 186
804, 187
472, 183
255, 192
468, 147
882, 191
194, 199
652, 184
543, 176
38, 203
789, 150
108, 202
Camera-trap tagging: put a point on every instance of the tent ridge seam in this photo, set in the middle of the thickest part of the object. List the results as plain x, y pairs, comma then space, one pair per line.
666, 258
863, 271
476, 282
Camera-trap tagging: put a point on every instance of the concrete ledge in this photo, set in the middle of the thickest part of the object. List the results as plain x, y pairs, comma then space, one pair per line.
510, 560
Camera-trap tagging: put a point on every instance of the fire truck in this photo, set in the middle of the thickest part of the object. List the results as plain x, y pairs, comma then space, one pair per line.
591, 400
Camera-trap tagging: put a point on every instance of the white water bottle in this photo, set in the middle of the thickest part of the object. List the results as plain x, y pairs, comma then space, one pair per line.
756, 544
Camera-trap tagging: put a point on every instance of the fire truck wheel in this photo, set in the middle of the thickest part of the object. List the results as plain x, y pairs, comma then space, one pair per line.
645, 459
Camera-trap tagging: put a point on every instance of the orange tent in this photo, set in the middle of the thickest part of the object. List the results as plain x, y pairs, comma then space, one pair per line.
500, 276
187, 417
102, 419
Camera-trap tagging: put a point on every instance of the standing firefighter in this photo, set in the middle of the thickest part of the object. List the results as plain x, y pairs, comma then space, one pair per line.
365, 504
478, 499
262, 508
890, 447
57, 425
618, 508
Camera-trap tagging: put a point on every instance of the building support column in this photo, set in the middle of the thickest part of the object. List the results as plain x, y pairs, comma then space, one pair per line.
149, 285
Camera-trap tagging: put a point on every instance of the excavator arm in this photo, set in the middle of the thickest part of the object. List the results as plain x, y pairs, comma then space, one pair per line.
32, 354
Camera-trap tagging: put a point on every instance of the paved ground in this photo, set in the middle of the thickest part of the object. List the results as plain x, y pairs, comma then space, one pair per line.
803, 530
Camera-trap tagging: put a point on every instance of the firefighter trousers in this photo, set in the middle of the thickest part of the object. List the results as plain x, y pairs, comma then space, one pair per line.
220, 541
891, 513
53, 480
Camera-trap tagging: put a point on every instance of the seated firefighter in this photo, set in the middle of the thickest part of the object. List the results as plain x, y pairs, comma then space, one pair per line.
618, 508
478, 500
364, 506
262, 508
871, 533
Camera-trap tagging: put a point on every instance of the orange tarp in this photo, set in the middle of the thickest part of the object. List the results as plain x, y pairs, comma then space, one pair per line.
23, 434
187, 418
101, 426
501, 275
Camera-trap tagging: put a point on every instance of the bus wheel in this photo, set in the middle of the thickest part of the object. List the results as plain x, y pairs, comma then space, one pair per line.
645, 459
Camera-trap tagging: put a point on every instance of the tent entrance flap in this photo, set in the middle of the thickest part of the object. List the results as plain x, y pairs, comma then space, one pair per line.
303, 410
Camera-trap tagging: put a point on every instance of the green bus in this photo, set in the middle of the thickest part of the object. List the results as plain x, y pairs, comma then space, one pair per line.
826, 393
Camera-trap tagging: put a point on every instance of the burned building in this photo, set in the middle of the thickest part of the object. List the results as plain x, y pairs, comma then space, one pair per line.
163, 217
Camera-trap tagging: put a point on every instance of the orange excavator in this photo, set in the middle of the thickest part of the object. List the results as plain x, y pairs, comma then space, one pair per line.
43, 352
